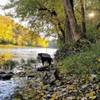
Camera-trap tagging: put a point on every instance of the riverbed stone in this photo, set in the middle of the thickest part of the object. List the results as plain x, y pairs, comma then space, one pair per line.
44, 85
6, 76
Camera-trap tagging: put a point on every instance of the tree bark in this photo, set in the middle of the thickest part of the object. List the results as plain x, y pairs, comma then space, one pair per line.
68, 37
72, 20
83, 18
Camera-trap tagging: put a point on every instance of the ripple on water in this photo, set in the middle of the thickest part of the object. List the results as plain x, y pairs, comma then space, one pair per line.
7, 88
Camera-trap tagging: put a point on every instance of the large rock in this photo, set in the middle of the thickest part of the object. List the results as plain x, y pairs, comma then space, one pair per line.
49, 77
6, 76
20, 71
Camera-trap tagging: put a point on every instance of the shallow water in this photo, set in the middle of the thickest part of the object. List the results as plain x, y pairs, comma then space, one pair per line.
7, 88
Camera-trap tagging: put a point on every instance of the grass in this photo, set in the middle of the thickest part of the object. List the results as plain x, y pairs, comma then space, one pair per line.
84, 63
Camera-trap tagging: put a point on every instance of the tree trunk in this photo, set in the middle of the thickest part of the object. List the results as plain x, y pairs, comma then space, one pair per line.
83, 18
72, 20
68, 37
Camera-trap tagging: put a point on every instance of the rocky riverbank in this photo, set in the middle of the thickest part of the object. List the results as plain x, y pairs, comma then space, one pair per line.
46, 83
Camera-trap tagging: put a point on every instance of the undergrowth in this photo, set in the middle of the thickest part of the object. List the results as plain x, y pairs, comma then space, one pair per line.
82, 63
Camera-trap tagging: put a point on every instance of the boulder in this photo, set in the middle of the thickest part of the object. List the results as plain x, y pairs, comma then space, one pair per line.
6, 76
49, 77
2, 72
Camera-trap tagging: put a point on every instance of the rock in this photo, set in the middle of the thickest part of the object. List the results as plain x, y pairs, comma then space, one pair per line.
10, 73
2, 72
46, 68
49, 77
30, 76
83, 98
6, 76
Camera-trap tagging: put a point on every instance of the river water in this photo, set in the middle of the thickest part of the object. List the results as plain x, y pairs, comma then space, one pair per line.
27, 53
7, 88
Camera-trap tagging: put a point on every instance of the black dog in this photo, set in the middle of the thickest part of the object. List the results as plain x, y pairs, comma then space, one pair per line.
44, 57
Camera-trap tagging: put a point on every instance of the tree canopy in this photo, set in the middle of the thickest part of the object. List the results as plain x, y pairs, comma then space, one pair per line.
67, 18
14, 33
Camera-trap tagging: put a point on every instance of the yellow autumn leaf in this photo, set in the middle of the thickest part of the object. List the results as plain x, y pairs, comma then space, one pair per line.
71, 87
55, 96
98, 59
91, 95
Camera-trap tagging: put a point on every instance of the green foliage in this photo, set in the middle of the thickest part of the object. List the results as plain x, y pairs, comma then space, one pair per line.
69, 49
84, 63
92, 32
39, 13
9, 65
3, 41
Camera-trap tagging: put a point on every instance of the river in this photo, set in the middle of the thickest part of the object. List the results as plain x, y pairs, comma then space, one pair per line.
7, 88
27, 53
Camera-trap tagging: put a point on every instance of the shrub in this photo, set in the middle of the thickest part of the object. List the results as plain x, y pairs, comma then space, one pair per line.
83, 63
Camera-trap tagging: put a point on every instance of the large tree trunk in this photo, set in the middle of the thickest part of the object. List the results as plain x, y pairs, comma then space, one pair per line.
68, 37
83, 18
68, 5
